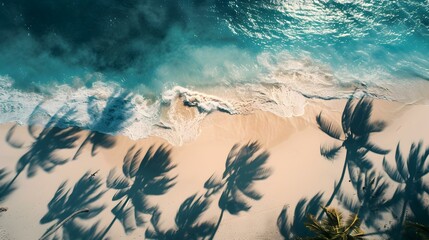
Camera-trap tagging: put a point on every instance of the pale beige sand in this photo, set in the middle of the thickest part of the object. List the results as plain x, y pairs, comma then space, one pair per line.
293, 143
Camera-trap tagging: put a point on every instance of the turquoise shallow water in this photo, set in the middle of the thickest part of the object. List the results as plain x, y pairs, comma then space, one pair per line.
77, 53
151, 43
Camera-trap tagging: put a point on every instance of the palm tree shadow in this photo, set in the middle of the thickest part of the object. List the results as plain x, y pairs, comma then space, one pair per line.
186, 222
353, 135
112, 118
69, 208
371, 200
408, 199
142, 177
41, 152
5, 190
244, 165
296, 228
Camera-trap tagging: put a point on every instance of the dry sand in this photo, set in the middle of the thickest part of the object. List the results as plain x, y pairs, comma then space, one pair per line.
298, 170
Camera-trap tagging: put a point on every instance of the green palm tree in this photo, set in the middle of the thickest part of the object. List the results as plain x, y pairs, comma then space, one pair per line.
244, 165
142, 177
186, 221
353, 135
410, 177
70, 204
333, 226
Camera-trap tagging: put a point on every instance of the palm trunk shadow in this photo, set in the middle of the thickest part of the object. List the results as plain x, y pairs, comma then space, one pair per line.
114, 219
217, 224
336, 190
79, 150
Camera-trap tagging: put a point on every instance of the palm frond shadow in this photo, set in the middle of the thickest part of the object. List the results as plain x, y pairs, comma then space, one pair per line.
244, 165
5, 189
421, 231
409, 174
142, 177
68, 208
187, 225
353, 135
370, 202
112, 118
296, 229
52, 137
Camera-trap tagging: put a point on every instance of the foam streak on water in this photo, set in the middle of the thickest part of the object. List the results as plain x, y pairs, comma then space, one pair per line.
283, 87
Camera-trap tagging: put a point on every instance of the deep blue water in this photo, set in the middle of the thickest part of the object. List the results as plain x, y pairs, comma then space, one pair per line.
147, 45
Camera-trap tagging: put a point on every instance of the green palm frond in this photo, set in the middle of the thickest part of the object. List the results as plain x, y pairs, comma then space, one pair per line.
333, 226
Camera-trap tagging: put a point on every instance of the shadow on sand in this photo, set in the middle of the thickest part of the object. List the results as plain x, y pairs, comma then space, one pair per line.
186, 222
369, 204
112, 118
296, 228
353, 135
5, 187
41, 152
69, 208
141, 177
244, 165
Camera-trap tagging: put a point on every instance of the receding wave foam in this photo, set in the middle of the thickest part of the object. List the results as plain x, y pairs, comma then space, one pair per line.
283, 88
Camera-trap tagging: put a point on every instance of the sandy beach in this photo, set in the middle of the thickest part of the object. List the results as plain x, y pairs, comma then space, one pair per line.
297, 169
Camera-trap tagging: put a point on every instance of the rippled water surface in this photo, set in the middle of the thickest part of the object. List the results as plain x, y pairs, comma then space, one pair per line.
66, 50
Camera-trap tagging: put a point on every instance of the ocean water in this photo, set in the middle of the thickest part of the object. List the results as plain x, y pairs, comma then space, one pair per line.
122, 66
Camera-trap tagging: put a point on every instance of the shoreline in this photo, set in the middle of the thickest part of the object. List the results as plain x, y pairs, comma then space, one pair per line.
293, 143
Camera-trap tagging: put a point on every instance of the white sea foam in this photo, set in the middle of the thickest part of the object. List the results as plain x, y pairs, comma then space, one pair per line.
283, 88
204, 102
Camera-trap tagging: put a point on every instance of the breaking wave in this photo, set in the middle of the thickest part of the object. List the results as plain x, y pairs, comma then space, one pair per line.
284, 87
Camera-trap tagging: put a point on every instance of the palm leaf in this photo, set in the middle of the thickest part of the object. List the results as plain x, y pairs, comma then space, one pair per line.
400, 164
375, 149
190, 211
347, 115
348, 202
283, 225
213, 185
328, 127
421, 230
392, 172
330, 151
314, 226
115, 181
352, 225
376, 126
361, 116
333, 217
